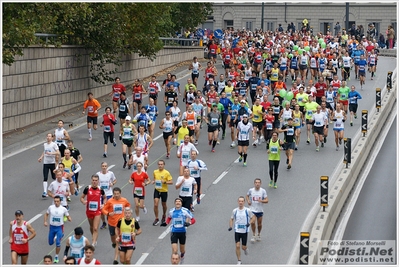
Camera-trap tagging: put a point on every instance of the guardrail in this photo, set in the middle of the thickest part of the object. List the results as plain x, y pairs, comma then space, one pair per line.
325, 221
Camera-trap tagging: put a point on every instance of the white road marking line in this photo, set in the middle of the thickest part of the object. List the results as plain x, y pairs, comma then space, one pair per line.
142, 258
156, 138
110, 167
165, 233
35, 218
220, 177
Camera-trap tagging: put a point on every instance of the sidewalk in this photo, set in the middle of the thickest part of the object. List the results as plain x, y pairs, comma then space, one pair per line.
34, 134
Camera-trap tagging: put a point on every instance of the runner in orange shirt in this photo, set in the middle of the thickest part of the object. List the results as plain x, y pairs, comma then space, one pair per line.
114, 210
92, 106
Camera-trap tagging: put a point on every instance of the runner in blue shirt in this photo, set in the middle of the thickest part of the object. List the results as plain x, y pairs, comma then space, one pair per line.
353, 97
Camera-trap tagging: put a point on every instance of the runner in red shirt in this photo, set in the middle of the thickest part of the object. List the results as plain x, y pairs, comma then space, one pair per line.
117, 89
269, 121
213, 51
19, 238
227, 56
93, 205
138, 91
257, 61
88, 258
139, 179
108, 122
321, 86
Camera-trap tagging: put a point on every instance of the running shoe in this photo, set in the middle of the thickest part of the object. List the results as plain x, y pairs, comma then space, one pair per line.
124, 164
44, 195
76, 192
253, 239
218, 143
355, 116
289, 166
182, 260
325, 139
213, 150
254, 143
114, 143
156, 222
113, 245
167, 155
233, 145
129, 167
240, 159
115, 262
138, 218
223, 136
104, 226
271, 184
258, 238
145, 210
105, 155
210, 142
275, 185
296, 148
90, 138
322, 144
94, 244
337, 148
56, 259
238, 262
69, 199
308, 141
198, 200
317, 149
246, 252
340, 141
351, 124
288, 161
163, 222
245, 164
192, 209
196, 142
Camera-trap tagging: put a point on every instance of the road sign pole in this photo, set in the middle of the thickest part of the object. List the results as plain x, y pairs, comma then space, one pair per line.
304, 248
324, 192
378, 99
389, 81
364, 122
347, 151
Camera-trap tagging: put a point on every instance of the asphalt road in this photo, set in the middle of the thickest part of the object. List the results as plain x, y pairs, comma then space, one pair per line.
208, 241
377, 199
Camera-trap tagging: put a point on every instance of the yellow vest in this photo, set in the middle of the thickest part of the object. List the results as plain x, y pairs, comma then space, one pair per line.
68, 164
256, 110
126, 231
180, 135
274, 76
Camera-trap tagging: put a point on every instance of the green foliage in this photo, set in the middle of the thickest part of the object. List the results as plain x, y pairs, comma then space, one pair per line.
106, 30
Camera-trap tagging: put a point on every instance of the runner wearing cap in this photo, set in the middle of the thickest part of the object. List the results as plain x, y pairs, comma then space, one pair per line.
20, 233
127, 132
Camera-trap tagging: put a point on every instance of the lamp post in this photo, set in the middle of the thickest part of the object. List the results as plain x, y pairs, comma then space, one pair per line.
262, 17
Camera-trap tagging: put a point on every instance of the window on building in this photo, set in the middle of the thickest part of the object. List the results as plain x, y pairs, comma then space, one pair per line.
228, 24
270, 24
326, 26
248, 24
394, 25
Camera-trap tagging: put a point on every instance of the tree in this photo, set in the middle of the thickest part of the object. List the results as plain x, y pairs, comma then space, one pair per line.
106, 30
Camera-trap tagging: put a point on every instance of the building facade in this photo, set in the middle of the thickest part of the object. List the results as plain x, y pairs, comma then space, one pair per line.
321, 16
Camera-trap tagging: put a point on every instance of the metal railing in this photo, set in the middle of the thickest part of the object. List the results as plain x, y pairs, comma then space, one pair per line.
179, 41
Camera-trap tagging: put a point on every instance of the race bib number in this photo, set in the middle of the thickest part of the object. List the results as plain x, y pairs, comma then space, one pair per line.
104, 185
190, 122
317, 123
177, 222
194, 172
256, 117
158, 184
168, 129
185, 155
185, 189
107, 128
338, 125
90, 108
269, 126
93, 205
137, 96
138, 191
122, 108
118, 208
310, 112
152, 90
290, 131
241, 226
170, 100
116, 95
276, 110
274, 150
56, 220
343, 95
126, 237
214, 121
18, 238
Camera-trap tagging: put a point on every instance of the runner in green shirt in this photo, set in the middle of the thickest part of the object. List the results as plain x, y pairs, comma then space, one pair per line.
343, 93
274, 147
309, 108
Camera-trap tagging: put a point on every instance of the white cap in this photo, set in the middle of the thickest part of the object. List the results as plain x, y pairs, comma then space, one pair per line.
128, 118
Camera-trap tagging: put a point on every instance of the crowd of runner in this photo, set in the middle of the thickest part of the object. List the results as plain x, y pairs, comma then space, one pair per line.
273, 86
